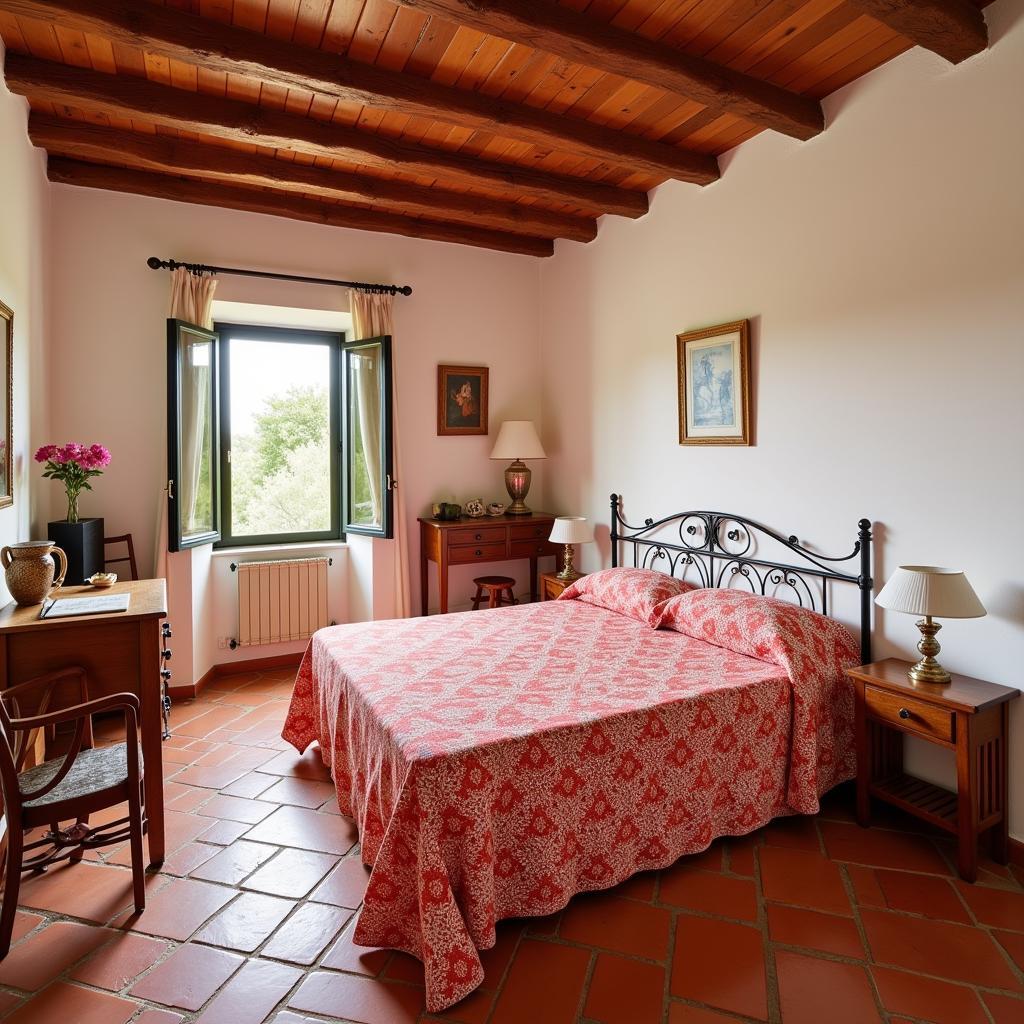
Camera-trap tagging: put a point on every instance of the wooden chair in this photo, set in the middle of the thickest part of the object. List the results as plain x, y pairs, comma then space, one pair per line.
497, 588
126, 539
85, 780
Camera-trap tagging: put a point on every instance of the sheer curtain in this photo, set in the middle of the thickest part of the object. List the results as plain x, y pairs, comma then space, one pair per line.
371, 317
191, 300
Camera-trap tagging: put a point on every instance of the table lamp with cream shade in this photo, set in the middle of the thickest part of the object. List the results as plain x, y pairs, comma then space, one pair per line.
518, 440
569, 530
930, 590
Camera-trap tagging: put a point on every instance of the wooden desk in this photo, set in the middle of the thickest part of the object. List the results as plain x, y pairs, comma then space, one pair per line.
468, 541
120, 652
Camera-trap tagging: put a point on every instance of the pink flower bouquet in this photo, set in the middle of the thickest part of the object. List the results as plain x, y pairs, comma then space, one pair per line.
74, 465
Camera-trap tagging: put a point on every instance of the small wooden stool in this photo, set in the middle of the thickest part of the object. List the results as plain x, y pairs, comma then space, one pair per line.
496, 587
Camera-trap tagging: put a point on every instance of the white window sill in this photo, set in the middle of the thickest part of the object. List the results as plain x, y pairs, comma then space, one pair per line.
300, 549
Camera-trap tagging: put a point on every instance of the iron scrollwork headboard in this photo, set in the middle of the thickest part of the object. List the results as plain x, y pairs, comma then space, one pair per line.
720, 547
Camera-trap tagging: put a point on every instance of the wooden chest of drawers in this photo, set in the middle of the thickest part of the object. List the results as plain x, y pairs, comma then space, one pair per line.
467, 541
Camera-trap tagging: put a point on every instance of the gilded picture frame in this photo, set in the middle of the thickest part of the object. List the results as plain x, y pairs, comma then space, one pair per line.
7, 404
461, 400
713, 367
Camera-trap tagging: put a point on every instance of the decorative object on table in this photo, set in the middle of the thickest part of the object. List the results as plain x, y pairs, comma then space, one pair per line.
29, 570
102, 579
500, 591
714, 385
461, 400
74, 465
7, 406
474, 508
569, 530
518, 440
930, 590
446, 511
496, 508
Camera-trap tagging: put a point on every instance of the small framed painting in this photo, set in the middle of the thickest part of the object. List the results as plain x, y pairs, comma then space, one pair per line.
714, 385
461, 400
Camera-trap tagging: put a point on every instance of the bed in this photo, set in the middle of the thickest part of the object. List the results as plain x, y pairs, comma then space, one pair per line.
499, 762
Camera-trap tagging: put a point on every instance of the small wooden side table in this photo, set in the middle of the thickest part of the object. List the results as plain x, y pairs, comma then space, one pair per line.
551, 586
967, 716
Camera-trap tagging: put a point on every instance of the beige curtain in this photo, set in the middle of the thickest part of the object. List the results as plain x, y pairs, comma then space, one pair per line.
371, 317
192, 301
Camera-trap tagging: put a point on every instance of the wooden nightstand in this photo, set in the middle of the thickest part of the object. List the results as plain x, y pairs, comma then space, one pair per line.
551, 586
969, 717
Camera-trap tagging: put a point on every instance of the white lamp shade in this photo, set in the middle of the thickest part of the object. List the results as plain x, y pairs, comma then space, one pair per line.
518, 439
930, 590
571, 530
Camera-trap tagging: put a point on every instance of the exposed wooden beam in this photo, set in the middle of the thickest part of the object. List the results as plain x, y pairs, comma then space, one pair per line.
132, 97
954, 29
277, 204
587, 40
165, 154
223, 48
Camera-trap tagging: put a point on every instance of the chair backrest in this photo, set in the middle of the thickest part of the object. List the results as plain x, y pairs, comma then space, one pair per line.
126, 539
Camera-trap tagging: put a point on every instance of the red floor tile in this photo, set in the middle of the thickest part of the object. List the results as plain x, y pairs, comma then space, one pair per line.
366, 1000
246, 923
608, 922
798, 833
866, 890
996, 907
179, 908
927, 998
236, 808
293, 873
188, 977
803, 879
62, 1003
23, 924
301, 792
302, 766
223, 833
1004, 1009
250, 786
721, 964
306, 829
710, 893
93, 892
306, 934
544, 984
1013, 943
944, 950
158, 1017
345, 885
235, 862
882, 848
812, 991
793, 926
922, 894
345, 955
120, 961
251, 994
625, 991
49, 952
741, 854
681, 1013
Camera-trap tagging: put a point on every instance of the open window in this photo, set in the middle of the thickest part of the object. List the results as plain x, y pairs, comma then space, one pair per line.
192, 436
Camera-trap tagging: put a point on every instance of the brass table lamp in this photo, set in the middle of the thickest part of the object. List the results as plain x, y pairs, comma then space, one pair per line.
518, 440
930, 590
569, 530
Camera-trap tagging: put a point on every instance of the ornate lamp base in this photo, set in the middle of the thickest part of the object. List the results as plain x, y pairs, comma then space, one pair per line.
517, 483
928, 670
568, 571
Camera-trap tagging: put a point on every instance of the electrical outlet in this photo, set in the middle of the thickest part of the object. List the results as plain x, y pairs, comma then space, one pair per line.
222, 642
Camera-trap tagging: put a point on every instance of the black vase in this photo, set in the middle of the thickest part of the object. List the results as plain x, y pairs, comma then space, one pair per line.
82, 542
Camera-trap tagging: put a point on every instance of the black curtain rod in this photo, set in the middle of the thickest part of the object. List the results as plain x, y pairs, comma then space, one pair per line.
155, 263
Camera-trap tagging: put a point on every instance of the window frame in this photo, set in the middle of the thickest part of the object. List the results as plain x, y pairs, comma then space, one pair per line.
334, 340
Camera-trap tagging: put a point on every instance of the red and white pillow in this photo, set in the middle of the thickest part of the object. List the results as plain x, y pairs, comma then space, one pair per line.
638, 593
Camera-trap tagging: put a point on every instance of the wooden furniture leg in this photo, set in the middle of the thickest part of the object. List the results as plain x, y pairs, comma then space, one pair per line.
12, 886
533, 580
478, 597
967, 794
152, 741
442, 586
863, 771
999, 834
424, 581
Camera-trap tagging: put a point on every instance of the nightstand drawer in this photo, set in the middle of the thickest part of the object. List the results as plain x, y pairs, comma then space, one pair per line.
530, 531
477, 535
533, 548
466, 553
912, 715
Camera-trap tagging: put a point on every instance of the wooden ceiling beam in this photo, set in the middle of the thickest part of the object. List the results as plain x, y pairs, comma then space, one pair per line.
586, 40
223, 48
954, 29
277, 204
94, 143
133, 97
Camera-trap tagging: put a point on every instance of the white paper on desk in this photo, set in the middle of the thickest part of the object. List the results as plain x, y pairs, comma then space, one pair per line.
62, 607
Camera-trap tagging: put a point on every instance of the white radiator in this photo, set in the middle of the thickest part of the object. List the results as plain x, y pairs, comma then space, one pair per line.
282, 600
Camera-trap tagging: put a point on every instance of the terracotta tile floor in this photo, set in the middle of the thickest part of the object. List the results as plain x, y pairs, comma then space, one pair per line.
810, 920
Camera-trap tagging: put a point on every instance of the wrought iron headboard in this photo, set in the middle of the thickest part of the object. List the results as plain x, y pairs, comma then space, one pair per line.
720, 546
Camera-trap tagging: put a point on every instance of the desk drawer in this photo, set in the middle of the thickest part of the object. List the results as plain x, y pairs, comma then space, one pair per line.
477, 535
533, 548
466, 553
909, 714
530, 531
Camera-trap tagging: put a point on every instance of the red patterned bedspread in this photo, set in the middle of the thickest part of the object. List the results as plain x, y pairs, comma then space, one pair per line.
497, 762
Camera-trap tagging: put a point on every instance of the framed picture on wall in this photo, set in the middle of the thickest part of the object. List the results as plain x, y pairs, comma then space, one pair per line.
6, 405
461, 400
714, 385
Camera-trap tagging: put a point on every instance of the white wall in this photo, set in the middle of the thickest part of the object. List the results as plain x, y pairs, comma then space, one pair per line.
108, 311
23, 237
882, 268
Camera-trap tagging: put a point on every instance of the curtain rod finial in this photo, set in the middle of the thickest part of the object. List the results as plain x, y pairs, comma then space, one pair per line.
154, 263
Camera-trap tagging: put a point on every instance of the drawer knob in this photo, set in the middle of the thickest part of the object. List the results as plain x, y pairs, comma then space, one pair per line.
904, 713
478, 553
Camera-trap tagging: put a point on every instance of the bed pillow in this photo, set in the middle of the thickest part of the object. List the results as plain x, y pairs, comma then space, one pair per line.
634, 592
766, 628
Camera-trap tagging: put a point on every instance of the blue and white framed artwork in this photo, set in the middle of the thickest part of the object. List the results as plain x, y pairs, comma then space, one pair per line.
714, 385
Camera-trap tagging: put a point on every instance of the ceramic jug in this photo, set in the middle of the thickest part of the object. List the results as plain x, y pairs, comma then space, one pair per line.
29, 570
